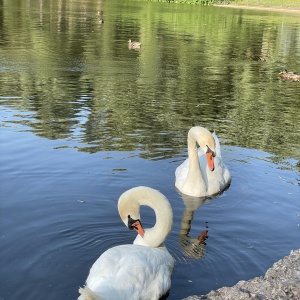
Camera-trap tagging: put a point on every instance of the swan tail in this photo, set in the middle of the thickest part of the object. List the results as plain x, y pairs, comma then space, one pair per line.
87, 294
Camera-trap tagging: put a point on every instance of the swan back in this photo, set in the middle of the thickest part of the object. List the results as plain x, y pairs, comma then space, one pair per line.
129, 205
129, 272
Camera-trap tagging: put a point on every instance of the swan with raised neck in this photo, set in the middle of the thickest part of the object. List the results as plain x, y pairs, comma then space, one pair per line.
203, 173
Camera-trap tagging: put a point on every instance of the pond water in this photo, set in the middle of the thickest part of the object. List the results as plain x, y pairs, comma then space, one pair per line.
83, 118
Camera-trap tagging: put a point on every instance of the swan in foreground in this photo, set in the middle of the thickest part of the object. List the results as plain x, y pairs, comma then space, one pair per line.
203, 173
141, 270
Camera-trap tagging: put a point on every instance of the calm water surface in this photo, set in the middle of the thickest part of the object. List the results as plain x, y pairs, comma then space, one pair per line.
83, 118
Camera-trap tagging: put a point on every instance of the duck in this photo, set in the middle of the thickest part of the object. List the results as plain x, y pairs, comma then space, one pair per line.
138, 271
134, 44
203, 173
289, 76
100, 15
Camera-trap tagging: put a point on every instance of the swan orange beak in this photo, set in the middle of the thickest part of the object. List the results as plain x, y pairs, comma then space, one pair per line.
136, 225
139, 228
210, 160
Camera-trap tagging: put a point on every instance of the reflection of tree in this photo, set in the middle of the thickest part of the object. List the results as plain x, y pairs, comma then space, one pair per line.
192, 247
79, 82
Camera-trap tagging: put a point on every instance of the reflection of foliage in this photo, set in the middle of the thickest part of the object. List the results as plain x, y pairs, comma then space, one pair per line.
201, 2
79, 82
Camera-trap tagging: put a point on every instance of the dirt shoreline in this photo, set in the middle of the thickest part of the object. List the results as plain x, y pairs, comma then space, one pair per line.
279, 9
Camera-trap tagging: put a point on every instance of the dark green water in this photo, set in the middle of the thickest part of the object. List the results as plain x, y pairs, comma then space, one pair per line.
83, 118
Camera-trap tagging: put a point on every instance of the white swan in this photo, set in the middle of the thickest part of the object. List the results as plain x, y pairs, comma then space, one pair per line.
203, 173
141, 270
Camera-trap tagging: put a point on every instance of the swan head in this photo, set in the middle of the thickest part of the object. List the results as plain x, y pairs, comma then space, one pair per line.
129, 210
206, 142
210, 155
136, 225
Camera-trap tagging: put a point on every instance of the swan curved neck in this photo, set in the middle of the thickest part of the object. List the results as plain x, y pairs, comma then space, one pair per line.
193, 153
194, 179
201, 136
196, 135
129, 204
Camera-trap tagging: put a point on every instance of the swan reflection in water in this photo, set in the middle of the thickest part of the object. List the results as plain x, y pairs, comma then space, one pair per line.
192, 247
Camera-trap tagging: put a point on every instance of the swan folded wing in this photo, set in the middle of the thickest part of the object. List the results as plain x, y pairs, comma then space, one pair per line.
87, 294
218, 147
148, 275
182, 170
132, 272
161, 285
219, 179
181, 173
157, 271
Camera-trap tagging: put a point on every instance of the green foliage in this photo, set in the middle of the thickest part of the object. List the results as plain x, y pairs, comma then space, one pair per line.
263, 3
267, 3
200, 2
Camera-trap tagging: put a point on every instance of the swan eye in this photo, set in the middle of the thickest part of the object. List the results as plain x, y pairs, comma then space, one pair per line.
131, 223
136, 225
210, 151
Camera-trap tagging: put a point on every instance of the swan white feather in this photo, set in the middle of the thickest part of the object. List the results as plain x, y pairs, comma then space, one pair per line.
138, 271
194, 176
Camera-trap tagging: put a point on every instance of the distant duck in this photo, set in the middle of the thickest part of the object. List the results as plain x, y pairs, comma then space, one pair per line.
100, 14
289, 76
141, 270
134, 45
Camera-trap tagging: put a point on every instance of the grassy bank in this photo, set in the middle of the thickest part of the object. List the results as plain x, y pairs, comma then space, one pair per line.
283, 4
288, 4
